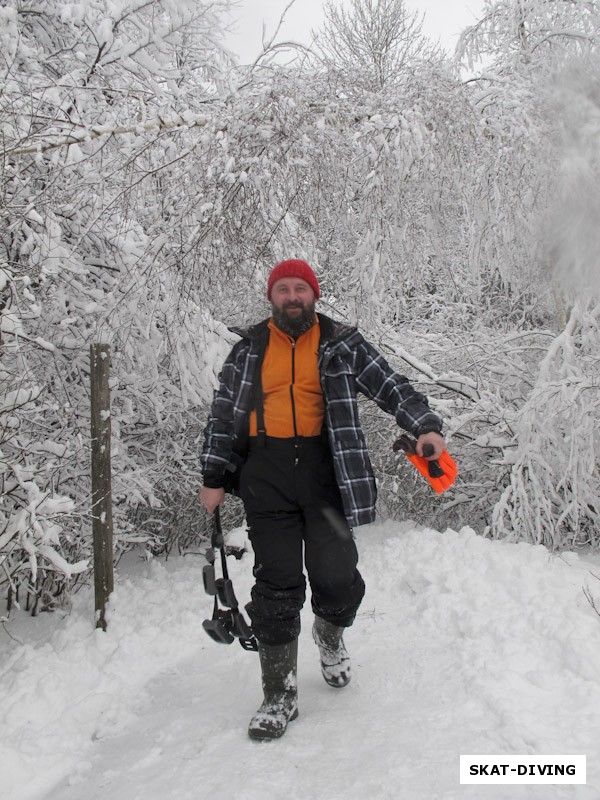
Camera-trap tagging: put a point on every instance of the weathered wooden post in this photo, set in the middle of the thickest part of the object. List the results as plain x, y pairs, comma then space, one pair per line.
102, 525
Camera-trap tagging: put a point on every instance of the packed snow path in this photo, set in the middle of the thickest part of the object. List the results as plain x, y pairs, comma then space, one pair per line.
463, 645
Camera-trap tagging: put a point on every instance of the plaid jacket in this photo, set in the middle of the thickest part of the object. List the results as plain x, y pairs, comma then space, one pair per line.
347, 364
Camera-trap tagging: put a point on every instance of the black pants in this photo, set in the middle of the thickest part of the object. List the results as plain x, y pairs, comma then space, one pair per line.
292, 500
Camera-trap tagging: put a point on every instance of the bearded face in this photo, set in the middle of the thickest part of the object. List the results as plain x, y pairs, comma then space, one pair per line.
293, 306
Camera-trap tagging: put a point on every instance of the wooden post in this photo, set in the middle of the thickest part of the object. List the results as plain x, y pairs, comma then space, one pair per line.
102, 525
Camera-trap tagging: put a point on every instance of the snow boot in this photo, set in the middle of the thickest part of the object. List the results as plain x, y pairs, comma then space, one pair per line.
335, 661
279, 666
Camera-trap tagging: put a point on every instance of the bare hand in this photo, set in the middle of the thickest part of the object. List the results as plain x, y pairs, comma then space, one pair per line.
211, 498
434, 439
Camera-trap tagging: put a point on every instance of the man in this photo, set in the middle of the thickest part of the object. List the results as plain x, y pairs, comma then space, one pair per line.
287, 395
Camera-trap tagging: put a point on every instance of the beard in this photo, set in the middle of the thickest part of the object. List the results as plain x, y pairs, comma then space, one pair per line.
294, 325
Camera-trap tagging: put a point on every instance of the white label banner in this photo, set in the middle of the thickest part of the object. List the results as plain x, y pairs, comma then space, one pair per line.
522, 769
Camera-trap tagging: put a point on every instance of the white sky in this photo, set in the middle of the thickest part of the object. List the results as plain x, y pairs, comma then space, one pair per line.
444, 20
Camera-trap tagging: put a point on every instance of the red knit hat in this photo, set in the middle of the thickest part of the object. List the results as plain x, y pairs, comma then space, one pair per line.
294, 268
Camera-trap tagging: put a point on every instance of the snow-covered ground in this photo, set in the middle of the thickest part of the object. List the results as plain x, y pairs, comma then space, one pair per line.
463, 645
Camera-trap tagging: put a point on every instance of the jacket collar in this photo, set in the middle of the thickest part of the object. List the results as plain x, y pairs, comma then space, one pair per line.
252, 331
331, 331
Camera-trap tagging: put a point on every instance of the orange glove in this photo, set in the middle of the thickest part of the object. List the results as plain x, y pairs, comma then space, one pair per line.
440, 473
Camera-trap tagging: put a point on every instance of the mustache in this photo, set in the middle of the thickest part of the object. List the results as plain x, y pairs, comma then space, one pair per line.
294, 324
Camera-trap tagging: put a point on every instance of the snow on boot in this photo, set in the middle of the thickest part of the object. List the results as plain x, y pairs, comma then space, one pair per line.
335, 661
280, 706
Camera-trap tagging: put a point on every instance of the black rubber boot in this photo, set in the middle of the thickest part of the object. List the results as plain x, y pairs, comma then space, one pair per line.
335, 661
279, 667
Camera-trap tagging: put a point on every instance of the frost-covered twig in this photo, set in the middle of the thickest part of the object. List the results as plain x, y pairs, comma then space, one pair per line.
97, 132
590, 597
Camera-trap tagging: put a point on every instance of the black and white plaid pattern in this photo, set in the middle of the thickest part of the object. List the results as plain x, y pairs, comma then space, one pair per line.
348, 364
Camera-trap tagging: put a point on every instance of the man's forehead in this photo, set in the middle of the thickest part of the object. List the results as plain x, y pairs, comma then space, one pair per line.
291, 282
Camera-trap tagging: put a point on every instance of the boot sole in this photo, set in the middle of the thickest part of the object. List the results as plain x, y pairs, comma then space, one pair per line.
335, 685
265, 735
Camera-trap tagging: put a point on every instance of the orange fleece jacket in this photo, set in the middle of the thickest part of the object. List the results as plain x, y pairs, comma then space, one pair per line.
291, 386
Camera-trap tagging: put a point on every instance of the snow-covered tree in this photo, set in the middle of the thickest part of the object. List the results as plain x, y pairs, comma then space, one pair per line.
512, 34
371, 44
517, 51
536, 92
146, 192
88, 93
554, 485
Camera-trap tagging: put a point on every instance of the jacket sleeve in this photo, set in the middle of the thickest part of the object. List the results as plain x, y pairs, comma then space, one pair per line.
393, 392
219, 430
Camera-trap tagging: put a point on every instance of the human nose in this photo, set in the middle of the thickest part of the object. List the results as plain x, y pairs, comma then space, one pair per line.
293, 297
